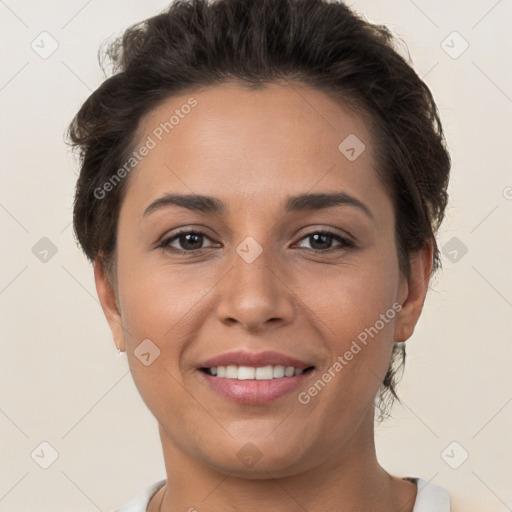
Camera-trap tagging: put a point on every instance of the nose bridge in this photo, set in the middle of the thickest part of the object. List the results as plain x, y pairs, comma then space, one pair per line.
252, 266
253, 293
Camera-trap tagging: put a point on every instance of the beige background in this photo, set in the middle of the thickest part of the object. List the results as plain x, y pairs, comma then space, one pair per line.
61, 380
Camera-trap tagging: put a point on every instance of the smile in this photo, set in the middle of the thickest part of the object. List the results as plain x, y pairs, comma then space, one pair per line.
254, 386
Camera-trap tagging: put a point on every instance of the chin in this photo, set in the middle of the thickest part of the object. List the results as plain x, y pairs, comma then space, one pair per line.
258, 459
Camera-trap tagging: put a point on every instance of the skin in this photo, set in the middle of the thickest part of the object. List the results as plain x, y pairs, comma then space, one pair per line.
251, 149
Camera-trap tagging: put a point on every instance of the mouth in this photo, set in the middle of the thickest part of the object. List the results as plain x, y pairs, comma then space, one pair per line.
253, 385
254, 378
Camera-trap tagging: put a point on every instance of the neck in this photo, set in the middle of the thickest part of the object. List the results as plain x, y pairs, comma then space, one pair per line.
348, 479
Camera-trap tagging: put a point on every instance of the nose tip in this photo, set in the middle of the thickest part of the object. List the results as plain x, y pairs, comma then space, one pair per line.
253, 294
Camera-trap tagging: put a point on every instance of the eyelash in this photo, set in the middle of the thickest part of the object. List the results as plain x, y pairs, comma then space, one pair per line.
165, 245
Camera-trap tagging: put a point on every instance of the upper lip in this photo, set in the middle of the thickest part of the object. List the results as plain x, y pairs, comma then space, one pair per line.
244, 358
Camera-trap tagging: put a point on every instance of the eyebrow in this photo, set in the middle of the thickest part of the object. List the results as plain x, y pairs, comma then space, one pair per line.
298, 203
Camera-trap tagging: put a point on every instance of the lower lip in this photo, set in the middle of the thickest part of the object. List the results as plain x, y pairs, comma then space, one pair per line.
254, 392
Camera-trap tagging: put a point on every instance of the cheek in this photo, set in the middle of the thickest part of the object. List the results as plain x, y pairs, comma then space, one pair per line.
353, 308
349, 297
156, 300
156, 305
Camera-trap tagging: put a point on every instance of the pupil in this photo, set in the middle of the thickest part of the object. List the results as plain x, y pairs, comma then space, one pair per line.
316, 236
187, 241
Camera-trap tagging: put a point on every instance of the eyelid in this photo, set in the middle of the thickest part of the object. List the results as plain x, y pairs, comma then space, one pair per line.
315, 228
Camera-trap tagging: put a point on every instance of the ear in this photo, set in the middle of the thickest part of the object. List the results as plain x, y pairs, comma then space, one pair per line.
413, 292
107, 297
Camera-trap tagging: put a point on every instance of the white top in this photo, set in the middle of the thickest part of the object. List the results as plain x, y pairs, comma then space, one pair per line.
430, 498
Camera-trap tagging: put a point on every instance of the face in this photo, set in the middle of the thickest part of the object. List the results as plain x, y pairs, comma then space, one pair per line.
255, 271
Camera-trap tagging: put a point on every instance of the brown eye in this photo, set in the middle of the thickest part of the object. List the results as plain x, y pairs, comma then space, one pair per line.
187, 241
322, 240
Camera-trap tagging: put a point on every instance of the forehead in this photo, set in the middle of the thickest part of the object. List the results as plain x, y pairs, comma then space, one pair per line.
241, 144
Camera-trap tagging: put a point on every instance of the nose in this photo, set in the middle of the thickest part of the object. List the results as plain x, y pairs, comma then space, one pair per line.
255, 294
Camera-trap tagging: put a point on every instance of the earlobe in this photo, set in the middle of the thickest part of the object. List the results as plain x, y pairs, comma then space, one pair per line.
107, 297
404, 332
413, 292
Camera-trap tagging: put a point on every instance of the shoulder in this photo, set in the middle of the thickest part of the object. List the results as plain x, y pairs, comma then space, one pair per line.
431, 497
140, 502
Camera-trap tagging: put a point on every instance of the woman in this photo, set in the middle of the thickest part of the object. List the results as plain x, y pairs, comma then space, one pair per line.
260, 188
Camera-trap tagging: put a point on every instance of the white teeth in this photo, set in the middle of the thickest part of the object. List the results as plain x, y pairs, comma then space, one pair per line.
264, 373
231, 372
251, 373
278, 372
245, 373
289, 371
